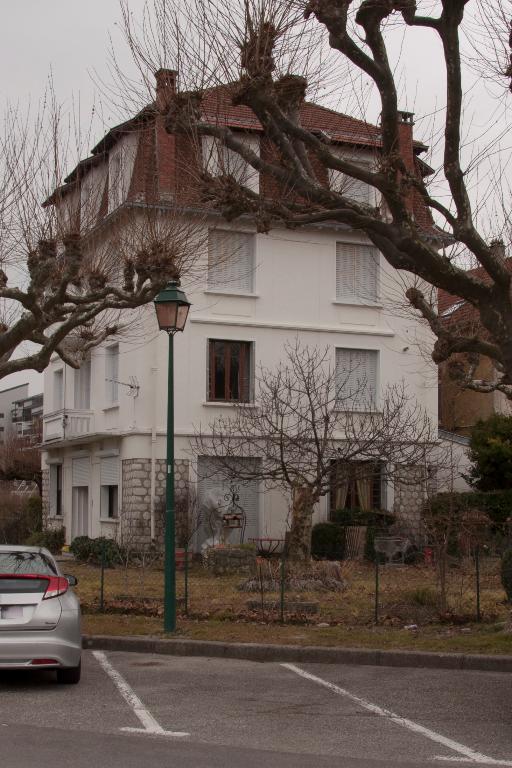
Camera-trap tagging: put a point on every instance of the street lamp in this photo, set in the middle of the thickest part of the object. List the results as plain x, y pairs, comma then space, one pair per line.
171, 306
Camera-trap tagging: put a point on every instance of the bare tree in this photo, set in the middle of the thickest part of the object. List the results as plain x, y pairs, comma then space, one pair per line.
66, 275
309, 426
269, 55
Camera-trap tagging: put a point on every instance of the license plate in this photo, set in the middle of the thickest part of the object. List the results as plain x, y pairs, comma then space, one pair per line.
11, 612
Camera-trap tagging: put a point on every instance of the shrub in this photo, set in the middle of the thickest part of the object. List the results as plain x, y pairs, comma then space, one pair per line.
95, 550
424, 596
328, 541
81, 548
506, 573
52, 538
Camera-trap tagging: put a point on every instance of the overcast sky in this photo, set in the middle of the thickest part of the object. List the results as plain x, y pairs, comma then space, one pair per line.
70, 39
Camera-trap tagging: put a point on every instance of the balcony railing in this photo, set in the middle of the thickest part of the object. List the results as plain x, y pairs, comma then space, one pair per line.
67, 424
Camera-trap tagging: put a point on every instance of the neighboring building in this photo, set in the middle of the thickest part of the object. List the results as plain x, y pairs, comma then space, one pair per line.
27, 417
7, 399
104, 425
460, 409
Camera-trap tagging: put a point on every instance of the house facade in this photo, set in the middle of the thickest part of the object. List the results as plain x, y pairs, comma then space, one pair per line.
459, 408
104, 425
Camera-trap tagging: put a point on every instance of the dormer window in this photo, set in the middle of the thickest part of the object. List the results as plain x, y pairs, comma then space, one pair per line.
218, 160
351, 188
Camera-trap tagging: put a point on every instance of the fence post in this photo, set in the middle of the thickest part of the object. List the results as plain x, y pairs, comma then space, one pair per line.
102, 580
282, 585
376, 588
477, 570
186, 578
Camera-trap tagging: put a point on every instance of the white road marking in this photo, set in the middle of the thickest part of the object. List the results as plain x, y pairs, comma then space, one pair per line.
150, 725
469, 755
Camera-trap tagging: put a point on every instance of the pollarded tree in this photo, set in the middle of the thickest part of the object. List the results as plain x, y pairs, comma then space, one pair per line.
66, 278
267, 54
310, 425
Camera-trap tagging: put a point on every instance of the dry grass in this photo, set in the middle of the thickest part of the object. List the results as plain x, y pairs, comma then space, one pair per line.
218, 609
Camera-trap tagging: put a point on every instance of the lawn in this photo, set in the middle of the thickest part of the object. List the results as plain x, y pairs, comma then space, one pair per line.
408, 618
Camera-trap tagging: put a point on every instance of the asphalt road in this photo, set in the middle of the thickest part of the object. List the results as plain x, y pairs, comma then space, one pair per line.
129, 708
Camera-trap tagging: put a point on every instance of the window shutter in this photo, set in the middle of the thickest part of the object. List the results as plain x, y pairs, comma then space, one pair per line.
112, 373
83, 386
357, 273
109, 470
81, 468
230, 261
356, 378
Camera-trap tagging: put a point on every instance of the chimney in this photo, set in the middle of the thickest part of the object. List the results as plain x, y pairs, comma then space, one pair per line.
165, 88
405, 126
497, 247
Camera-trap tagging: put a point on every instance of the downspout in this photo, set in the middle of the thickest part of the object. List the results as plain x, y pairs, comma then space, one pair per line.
154, 372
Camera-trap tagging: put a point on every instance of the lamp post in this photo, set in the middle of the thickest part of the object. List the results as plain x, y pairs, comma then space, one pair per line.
171, 306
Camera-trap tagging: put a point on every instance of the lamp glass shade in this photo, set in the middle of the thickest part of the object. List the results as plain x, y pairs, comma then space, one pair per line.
171, 306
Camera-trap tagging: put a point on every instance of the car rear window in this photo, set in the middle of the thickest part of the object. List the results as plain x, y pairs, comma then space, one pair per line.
26, 563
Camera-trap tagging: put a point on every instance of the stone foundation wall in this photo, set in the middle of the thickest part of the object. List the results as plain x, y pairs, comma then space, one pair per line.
45, 495
410, 495
135, 510
230, 560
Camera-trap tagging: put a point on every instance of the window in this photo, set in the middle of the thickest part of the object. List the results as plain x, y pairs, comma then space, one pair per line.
218, 160
115, 179
112, 374
353, 189
355, 485
356, 379
83, 386
357, 273
58, 390
229, 370
230, 261
109, 482
56, 490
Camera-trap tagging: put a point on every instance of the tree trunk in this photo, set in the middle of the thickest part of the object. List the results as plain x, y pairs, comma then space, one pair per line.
299, 543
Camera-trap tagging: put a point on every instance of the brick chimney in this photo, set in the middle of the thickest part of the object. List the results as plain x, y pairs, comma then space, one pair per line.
165, 88
405, 126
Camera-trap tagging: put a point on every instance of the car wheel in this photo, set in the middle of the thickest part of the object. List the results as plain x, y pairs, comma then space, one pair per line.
69, 675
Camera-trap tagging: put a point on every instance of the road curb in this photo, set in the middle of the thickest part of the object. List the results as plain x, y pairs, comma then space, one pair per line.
299, 654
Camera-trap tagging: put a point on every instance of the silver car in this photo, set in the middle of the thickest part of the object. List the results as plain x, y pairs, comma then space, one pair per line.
39, 614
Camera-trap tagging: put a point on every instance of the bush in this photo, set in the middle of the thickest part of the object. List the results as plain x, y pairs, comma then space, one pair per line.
491, 453
506, 573
95, 550
328, 541
52, 538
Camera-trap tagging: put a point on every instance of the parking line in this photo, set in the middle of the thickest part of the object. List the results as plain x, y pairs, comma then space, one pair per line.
468, 755
150, 725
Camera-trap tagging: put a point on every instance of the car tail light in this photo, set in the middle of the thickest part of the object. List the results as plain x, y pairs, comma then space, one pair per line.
37, 662
57, 585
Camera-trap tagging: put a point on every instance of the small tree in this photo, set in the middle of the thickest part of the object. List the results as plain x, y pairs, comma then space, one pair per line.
309, 424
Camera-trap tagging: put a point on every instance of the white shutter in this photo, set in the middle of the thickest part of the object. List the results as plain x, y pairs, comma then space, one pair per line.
83, 386
58, 389
351, 188
81, 471
357, 273
356, 379
109, 470
230, 261
112, 373
213, 485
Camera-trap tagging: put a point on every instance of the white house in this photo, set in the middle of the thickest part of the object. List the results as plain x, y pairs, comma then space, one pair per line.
105, 424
